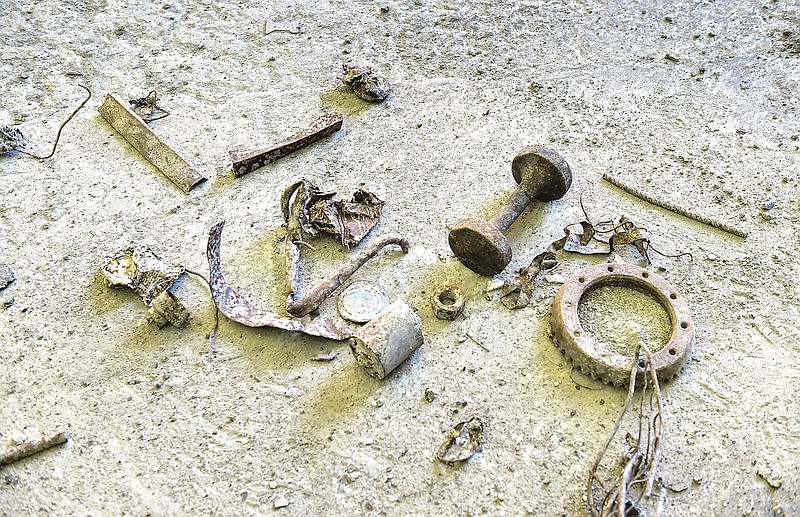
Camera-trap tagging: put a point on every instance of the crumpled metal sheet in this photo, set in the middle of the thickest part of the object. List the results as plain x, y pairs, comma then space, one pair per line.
580, 242
365, 82
626, 232
516, 293
241, 310
350, 221
461, 442
139, 269
11, 139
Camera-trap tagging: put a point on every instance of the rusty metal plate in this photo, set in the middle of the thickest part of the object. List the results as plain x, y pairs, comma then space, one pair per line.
613, 368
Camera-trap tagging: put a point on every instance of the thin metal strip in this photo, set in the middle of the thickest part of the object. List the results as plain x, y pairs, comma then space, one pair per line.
134, 130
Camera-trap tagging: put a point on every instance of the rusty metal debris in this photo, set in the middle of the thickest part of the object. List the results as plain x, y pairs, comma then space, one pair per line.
365, 82
32, 447
356, 221
633, 476
362, 301
516, 293
623, 232
136, 132
674, 208
461, 442
242, 310
314, 298
448, 302
11, 139
6, 275
597, 362
147, 107
384, 343
139, 269
319, 212
480, 245
248, 161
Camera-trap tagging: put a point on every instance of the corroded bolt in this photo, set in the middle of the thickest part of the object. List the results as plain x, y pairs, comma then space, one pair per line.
480, 245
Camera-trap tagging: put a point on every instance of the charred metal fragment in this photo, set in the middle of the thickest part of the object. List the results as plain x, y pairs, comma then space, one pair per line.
11, 139
318, 212
350, 220
148, 108
516, 293
248, 161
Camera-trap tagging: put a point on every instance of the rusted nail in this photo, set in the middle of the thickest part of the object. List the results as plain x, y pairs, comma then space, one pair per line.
384, 343
316, 296
480, 245
248, 161
134, 130
30, 448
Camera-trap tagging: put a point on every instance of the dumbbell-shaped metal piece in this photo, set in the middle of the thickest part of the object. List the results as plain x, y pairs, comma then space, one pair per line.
480, 245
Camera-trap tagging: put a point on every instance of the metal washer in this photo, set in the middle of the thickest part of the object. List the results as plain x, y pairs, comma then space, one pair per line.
612, 368
362, 301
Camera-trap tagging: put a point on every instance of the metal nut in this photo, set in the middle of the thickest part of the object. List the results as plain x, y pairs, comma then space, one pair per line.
448, 302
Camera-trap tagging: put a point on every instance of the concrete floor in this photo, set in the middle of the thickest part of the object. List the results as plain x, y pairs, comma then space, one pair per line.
695, 102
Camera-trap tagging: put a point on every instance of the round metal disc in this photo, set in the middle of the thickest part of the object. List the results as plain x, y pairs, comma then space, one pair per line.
362, 301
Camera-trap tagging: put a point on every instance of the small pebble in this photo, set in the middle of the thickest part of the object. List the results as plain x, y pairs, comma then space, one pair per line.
769, 205
554, 278
281, 502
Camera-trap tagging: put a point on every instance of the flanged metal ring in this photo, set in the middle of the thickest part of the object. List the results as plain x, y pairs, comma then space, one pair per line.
448, 302
613, 368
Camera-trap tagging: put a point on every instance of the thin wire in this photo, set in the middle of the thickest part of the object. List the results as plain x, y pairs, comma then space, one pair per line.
58, 136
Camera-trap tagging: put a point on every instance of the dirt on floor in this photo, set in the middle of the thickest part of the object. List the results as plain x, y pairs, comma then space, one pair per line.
693, 102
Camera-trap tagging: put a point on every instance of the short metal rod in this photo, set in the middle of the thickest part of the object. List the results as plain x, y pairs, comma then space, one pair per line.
511, 209
316, 296
32, 447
